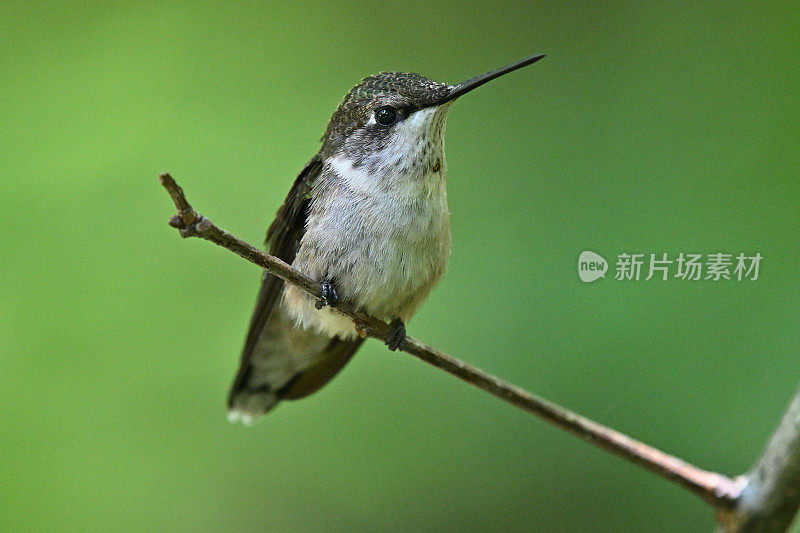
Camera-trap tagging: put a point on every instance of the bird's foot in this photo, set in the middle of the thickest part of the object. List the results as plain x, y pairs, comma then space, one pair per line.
329, 296
397, 336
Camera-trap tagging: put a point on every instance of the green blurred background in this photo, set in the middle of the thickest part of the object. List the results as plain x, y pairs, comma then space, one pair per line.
649, 128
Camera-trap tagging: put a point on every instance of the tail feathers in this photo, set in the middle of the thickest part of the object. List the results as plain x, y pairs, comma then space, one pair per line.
250, 396
329, 363
270, 375
246, 408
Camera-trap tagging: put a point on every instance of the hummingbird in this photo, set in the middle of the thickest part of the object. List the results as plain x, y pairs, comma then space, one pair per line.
367, 218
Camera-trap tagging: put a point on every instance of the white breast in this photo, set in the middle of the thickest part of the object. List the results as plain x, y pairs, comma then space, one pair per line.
381, 231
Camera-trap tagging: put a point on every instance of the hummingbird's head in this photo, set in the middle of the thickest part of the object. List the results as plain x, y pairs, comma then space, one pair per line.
396, 119
387, 114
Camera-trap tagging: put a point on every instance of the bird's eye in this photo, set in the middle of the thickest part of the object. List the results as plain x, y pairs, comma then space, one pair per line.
385, 116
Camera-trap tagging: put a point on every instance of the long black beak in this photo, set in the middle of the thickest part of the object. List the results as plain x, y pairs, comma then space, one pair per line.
466, 86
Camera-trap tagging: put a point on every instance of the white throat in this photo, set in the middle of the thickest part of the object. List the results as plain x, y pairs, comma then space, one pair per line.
412, 164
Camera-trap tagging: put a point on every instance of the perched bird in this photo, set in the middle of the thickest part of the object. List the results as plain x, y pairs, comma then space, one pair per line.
367, 218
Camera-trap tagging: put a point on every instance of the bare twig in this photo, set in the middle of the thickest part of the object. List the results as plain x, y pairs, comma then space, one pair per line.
718, 490
771, 497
